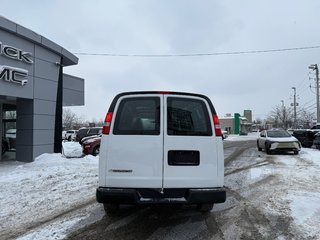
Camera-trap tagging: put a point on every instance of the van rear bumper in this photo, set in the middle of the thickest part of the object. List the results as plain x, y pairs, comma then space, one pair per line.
155, 196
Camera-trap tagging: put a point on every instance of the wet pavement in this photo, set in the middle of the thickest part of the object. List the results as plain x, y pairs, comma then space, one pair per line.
238, 218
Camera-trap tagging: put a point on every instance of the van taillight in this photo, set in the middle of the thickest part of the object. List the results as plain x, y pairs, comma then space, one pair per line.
107, 123
217, 126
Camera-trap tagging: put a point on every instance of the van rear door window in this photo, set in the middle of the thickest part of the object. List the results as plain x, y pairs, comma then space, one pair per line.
138, 116
187, 116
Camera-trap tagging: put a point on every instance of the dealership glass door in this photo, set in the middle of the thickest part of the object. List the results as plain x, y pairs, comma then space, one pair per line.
9, 118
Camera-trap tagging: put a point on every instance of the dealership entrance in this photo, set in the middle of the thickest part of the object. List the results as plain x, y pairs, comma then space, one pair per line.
8, 118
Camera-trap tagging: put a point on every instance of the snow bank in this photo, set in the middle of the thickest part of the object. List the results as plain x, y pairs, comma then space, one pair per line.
38, 191
72, 149
250, 136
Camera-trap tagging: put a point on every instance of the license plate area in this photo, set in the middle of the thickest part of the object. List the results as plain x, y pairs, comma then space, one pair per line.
285, 145
183, 158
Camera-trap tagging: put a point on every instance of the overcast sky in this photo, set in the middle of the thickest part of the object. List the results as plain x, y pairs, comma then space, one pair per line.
234, 82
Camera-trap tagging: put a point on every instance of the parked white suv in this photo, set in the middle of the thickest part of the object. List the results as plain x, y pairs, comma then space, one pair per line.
161, 147
71, 135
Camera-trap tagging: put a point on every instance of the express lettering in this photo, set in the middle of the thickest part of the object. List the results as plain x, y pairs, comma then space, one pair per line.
15, 53
15, 75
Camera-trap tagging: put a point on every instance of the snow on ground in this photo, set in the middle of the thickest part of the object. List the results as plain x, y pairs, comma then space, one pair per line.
72, 150
304, 194
46, 189
310, 210
235, 137
295, 184
33, 193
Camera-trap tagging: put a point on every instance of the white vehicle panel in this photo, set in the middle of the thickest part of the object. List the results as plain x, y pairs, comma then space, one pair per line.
134, 162
141, 161
131, 161
206, 174
203, 175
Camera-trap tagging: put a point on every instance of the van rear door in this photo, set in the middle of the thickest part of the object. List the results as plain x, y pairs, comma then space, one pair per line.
135, 153
191, 150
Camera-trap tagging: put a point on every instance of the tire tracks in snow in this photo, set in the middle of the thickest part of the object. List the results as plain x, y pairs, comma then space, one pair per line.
253, 222
257, 164
251, 219
239, 149
37, 224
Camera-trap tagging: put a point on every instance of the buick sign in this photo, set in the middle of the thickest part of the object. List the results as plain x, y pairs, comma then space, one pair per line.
15, 53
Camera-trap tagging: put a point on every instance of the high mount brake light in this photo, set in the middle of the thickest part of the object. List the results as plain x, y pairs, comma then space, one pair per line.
217, 127
107, 124
163, 92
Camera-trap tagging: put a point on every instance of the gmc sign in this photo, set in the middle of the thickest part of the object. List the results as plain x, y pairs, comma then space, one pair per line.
15, 75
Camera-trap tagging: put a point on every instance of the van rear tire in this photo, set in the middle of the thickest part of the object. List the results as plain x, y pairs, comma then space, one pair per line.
207, 207
111, 208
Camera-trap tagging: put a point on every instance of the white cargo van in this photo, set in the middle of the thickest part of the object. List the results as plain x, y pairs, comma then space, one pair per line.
161, 147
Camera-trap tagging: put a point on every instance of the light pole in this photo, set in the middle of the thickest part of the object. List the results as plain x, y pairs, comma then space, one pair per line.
283, 114
315, 67
294, 108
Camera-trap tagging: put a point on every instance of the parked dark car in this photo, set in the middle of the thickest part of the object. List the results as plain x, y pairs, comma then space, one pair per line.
316, 126
243, 133
304, 136
85, 132
91, 145
88, 137
316, 140
5, 145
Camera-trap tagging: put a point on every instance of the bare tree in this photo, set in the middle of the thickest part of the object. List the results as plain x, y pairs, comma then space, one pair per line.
282, 117
304, 118
70, 120
258, 121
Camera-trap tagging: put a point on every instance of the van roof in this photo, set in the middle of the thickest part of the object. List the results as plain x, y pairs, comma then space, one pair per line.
114, 102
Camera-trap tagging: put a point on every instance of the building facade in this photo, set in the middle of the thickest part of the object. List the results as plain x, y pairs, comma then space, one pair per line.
236, 124
33, 90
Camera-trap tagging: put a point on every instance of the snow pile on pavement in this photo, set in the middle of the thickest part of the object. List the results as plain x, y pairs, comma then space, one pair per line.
250, 136
72, 150
36, 192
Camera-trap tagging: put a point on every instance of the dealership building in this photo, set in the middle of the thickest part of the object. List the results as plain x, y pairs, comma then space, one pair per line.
33, 90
